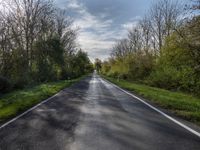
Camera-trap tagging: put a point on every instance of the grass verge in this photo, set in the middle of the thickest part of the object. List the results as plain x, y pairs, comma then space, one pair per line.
183, 105
18, 101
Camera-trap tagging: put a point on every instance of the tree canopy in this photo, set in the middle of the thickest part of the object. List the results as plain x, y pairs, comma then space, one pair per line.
38, 44
163, 50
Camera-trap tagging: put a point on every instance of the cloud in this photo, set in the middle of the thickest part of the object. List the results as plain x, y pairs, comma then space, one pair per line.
132, 23
101, 25
73, 5
95, 36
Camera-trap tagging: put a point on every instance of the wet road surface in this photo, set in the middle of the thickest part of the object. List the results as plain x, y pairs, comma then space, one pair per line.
95, 115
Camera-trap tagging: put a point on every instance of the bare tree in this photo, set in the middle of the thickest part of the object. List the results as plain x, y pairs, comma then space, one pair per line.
26, 21
164, 19
135, 38
145, 25
121, 48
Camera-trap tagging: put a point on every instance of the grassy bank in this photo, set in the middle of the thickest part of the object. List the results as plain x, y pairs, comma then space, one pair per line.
183, 105
18, 101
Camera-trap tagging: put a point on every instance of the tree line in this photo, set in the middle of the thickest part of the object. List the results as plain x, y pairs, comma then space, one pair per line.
37, 44
163, 50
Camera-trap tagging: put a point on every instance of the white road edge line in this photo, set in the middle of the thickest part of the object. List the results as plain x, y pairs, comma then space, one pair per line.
24, 113
157, 110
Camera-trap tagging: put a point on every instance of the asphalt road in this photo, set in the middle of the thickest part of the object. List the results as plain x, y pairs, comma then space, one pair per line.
95, 115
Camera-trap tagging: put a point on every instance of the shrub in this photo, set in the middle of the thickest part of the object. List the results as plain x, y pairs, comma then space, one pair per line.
5, 85
167, 77
21, 82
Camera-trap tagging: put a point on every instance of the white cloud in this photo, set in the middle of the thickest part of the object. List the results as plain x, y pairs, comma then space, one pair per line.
93, 34
129, 25
97, 35
73, 5
132, 23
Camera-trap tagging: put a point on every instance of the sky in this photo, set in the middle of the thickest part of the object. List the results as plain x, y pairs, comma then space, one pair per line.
102, 22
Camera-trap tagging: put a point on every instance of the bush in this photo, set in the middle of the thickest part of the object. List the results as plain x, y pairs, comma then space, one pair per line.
21, 82
113, 74
167, 77
5, 85
171, 78
197, 88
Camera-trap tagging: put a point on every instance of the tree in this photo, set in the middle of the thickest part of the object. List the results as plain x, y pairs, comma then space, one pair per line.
38, 43
82, 63
98, 64
145, 25
164, 19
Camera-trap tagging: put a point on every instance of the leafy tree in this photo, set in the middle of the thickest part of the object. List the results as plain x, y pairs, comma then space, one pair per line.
38, 44
163, 50
98, 64
82, 63
175, 67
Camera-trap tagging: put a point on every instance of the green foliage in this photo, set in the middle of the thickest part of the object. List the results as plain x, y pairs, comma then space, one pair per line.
136, 66
43, 50
106, 67
5, 85
98, 65
175, 67
165, 77
17, 101
17, 69
50, 62
77, 65
49, 56
140, 66
81, 63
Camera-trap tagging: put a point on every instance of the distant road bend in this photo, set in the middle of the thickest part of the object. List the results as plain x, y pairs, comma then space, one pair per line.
95, 115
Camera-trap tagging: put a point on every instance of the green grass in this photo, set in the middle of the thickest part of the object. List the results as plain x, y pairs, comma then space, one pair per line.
18, 101
183, 105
